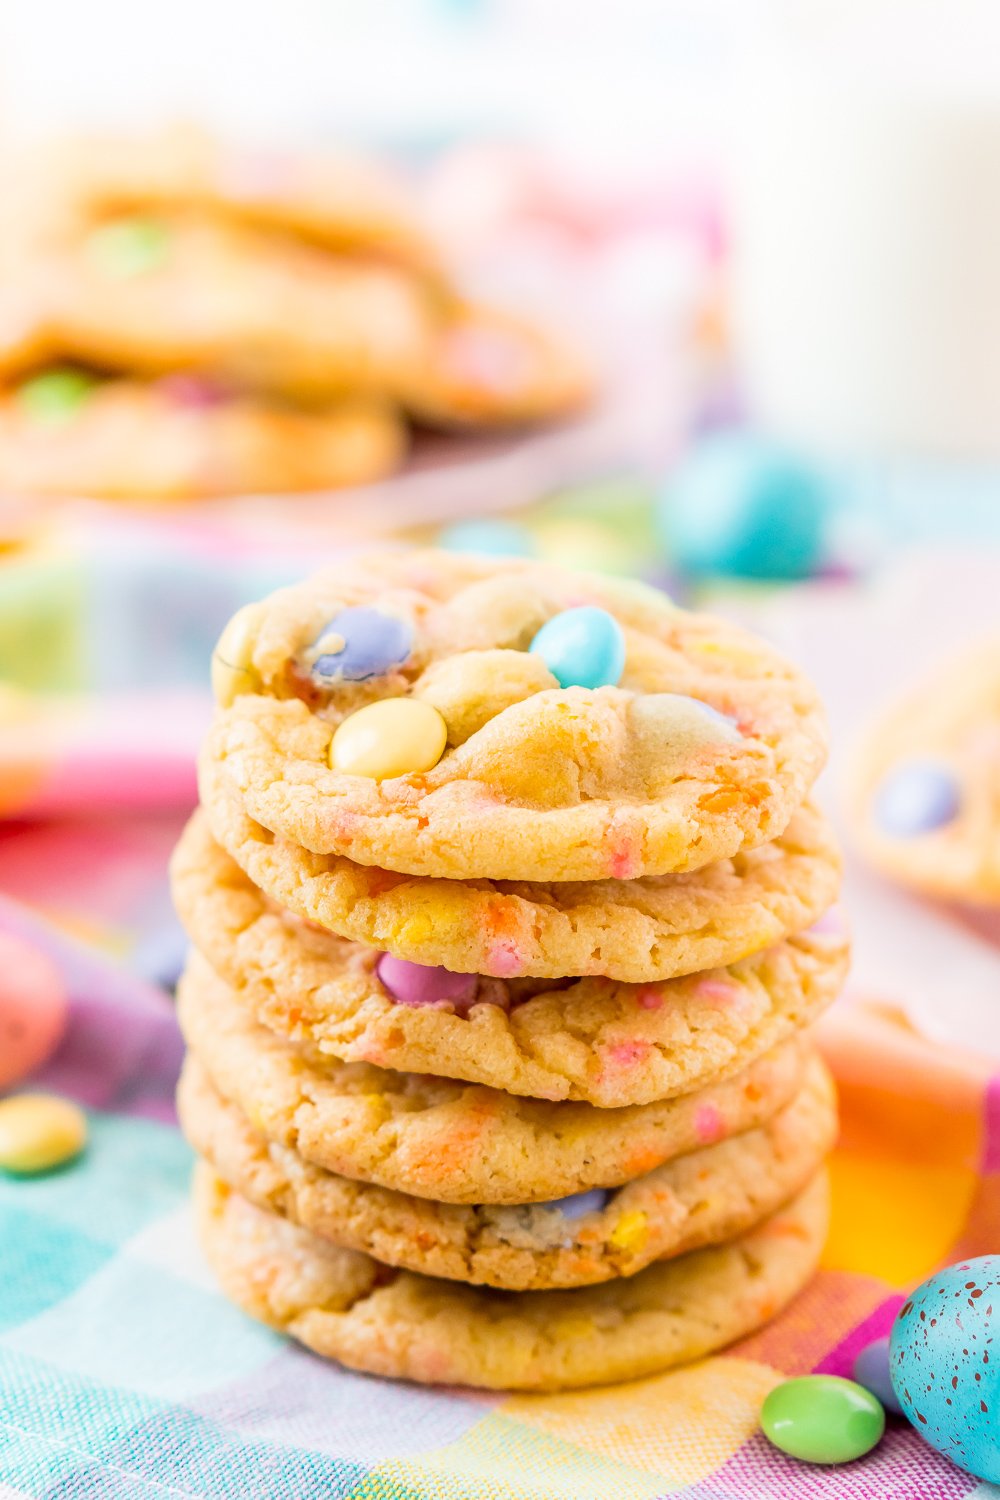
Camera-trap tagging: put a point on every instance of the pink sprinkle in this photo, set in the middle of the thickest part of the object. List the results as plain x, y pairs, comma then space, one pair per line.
626, 1054
622, 865
503, 960
649, 999
708, 1123
718, 992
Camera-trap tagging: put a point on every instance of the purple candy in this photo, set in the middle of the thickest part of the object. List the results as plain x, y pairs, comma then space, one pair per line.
421, 984
916, 798
374, 643
579, 1204
871, 1369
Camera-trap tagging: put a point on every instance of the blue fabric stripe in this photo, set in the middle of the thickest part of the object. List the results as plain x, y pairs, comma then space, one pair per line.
54, 1426
41, 1263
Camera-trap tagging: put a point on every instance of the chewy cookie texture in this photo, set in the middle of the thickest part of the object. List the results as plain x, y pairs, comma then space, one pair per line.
511, 915
182, 319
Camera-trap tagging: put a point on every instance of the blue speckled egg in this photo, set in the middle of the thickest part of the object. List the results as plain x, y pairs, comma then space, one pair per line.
944, 1355
739, 506
582, 647
360, 643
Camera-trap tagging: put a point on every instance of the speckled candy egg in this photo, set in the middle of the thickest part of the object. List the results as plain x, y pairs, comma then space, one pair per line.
33, 1009
944, 1356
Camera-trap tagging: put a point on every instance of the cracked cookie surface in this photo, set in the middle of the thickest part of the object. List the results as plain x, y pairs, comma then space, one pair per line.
700, 1198
704, 744
441, 1139
345, 1306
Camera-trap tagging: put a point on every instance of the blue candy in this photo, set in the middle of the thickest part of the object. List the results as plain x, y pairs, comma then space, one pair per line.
739, 506
871, 1369
579, 1204
582, 647
374, 643
916, 797
944, 1357
492, 538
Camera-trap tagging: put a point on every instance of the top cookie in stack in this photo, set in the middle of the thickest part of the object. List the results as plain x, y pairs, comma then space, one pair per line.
178, 318
469, 823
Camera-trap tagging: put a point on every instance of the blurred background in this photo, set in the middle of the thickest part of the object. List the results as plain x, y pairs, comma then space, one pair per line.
708, 293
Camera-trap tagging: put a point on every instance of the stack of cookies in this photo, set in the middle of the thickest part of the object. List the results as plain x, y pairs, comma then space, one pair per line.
182, 319
511, 915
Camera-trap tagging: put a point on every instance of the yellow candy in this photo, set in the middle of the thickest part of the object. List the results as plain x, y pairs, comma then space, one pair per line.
232, 672
393, 737
631, 1231
38, 1132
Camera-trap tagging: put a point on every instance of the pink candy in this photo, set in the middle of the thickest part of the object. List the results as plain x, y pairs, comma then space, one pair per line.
33, 1009
421, 984
708, 1123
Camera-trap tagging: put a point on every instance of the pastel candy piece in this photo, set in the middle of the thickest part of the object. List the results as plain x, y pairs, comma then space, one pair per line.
822, 1419
393, 737
488, 538
579, 1204
945, 1365
582, 647
420, 984
33, 1009
129, 247
55, 395
39, 1132
871, 1369
232, 672
365, 643
916, 797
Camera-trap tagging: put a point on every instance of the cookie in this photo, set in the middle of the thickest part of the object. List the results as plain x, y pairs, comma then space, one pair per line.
701, 1198
153, 297
585, 1039
67, 433
486, 368
436, 1138
345, 1306
689, 742
344, 202
639, 931
926, 787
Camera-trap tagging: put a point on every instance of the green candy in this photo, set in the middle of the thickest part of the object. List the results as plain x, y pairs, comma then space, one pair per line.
55, 395
128, 247
822, 1419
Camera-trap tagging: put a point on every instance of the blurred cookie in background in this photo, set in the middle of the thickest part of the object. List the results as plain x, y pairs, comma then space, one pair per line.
925, 791
181, 320
67, 431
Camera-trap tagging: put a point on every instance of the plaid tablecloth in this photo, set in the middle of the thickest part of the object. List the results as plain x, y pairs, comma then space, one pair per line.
125, 1375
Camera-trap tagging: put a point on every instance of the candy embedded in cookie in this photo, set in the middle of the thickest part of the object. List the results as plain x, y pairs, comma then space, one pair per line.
925, 788
505, 719
916, 797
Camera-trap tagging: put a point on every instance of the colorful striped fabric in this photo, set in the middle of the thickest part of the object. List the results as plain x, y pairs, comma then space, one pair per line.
124, 1373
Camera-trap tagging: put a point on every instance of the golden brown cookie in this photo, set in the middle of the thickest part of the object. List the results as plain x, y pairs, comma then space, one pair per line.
65, 433
154, 297
926, 785
345, 1306
639, 931
346, 203
693, 740
436, 1138
701, 1198
588, 1039
486, 368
